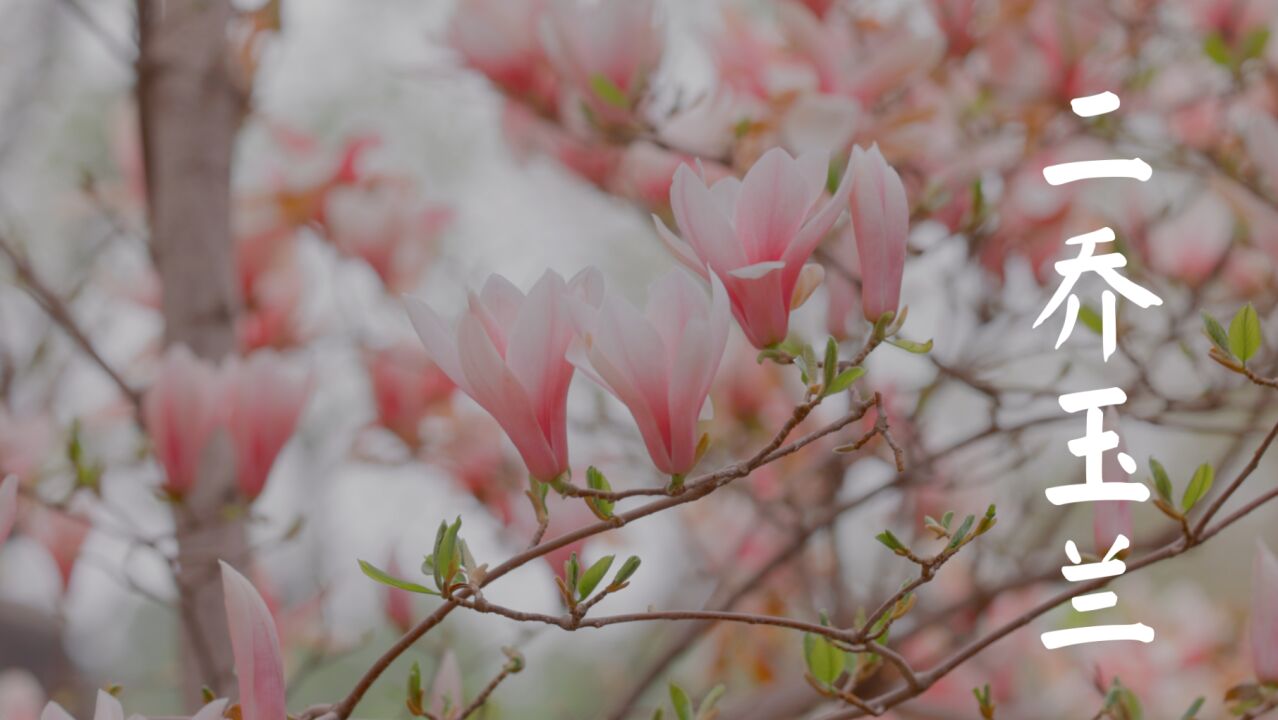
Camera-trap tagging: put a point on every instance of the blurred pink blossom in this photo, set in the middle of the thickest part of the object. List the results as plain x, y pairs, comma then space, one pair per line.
182, 410
264, 395
1264, 615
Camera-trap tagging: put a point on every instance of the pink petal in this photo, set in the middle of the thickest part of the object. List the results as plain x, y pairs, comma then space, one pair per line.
438, 339
774, 202
255, 646
702, 222
1264, 615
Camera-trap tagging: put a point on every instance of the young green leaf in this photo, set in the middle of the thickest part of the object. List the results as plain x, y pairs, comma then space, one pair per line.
1091, 319
595, 480
572, 571
911, 346
1192, 712
385, 578
889, 540
593, 576
961, 533
705, 711
628, 569
1214, 47
1215, 332
829, 365
682, 703
1162, 483
825, 661
1244, 333
844, 380
608, 91
1199, 485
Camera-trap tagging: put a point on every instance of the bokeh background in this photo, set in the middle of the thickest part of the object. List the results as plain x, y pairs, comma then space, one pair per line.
451, 177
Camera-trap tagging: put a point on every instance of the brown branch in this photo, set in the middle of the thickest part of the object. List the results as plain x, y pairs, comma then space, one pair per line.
52, 304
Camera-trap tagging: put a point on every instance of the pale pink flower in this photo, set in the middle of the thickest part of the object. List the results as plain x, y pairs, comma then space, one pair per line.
265, 396
607, 49
61, 534
647, 171
500, 38
182, 410
757, 234
381, 223
528, 135
255, 646
25, 441
507, 354
406, 385
660, 363
8, 506
881, 226
1264, 615
21, 696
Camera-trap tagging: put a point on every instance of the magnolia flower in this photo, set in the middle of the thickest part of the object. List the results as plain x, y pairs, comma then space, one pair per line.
255, 646
606, 49
660, 363
756, 234
1264, 615
406, 385
264, 398
109, 708
182, 409
500, 39
507, 354
8, 506
880, 224
61, 534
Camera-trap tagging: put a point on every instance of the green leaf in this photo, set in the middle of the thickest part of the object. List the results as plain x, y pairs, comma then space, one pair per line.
1091, 319
708, 702
1253, 46
1215, 332
628, 569
1244, 333
595, 480
830, 365
447, 558
1162, 483
844, 380
608, 91
889, 540
807, 362
961, 533
1199, 485
572, 571
1192, 712
825, 661
385, 578
593, 576
682, 703
911, 346
1216, 49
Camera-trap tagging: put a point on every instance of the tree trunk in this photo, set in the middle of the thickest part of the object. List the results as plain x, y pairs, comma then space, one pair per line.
189, 109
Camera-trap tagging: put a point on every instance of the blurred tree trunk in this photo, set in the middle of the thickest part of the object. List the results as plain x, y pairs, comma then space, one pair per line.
189, 109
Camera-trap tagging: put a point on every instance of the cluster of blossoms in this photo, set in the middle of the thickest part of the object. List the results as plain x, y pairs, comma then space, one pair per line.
515, 354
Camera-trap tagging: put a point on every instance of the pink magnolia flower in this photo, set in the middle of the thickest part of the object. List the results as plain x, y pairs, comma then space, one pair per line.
381, 223
881, 226
182, 409
264, 397
406, 385
61, 534
507, 354
1264, 615
500, 38
607, 49
255, 646
660, 363
756, 235
8, 506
